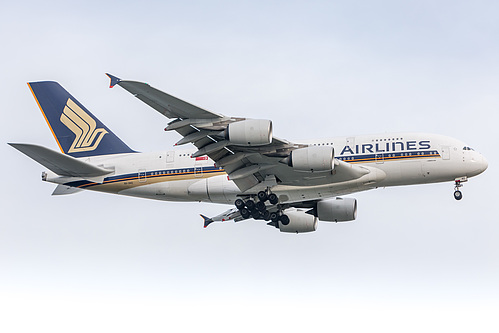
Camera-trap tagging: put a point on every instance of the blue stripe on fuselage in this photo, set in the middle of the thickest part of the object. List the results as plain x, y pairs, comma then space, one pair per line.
147, 175
389, 156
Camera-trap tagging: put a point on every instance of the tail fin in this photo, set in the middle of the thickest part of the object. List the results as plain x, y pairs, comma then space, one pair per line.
77, 131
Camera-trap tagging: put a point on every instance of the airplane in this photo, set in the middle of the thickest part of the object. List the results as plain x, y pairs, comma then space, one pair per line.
238, 161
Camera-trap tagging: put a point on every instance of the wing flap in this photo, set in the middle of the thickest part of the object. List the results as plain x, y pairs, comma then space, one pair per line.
196, 136
246, 183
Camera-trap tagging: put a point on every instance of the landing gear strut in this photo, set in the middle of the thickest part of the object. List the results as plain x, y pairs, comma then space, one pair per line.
457, 194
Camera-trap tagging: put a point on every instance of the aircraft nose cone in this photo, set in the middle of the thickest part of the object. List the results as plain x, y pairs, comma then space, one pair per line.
476, 165
483, 164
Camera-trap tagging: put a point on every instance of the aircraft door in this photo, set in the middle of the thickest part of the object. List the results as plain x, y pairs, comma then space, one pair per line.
198, 171
445, 152
170, 156
198, 168
142, 175
380, 158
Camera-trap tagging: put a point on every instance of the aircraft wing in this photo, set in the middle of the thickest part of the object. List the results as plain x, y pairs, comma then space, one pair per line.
168, 105
251, 167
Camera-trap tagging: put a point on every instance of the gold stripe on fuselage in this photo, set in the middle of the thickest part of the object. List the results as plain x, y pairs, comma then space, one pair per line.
117, 185
392, 158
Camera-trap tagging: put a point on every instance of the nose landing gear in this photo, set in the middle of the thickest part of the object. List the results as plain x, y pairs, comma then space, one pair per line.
457, 185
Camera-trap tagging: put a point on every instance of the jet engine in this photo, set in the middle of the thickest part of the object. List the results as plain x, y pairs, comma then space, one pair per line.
299, 221
312, 159
250, 132
337, 210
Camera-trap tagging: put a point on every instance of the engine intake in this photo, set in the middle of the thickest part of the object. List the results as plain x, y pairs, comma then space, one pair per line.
337, 210
250, 132
299, 221
312, 159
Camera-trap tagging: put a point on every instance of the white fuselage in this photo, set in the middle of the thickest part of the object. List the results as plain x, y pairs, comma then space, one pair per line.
392, 159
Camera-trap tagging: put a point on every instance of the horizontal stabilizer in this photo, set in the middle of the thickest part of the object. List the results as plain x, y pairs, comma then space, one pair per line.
62, 165
231, 214
63, 190
207, 220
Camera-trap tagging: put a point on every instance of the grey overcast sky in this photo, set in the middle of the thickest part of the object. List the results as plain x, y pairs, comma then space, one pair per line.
415, 259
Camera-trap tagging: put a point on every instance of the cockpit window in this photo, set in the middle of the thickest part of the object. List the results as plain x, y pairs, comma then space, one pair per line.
467, 148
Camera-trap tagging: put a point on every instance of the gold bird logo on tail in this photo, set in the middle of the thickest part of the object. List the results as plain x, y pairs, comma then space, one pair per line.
83, 126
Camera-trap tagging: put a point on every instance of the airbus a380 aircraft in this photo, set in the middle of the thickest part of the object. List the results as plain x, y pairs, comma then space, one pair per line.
238, 161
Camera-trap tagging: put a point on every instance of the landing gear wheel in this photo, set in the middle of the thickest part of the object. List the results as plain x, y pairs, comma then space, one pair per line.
273, 199
284, 219
239, 204
245, 213
250, 204
256, 214
266, 215
457, 194
262, 196
260, 206
274, 217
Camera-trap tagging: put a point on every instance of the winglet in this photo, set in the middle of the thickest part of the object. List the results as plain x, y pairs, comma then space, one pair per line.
114, 80
207, 220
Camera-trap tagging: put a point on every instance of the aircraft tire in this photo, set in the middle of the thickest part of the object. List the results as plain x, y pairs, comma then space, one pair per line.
274, 217
284, 219
273, 199
256, 214
250, 204
245, 213
458, 195
260, 206
239, 204
262, 196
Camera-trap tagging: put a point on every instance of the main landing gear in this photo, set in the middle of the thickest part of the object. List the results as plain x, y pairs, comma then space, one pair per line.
258, 210
457, 185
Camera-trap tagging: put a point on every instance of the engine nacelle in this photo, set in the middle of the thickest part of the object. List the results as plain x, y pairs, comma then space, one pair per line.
299, 221
250, 132
337, 210
312, 159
